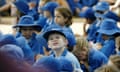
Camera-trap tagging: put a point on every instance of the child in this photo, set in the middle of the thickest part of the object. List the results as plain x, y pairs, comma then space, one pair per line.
89, 58
27, 29
63, 18
91, 20
58, 42
48, 12
108, 29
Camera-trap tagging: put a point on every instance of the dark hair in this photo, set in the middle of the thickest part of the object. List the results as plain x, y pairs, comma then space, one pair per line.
66, 14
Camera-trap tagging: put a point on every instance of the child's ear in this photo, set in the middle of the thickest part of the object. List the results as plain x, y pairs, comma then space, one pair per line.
66, 42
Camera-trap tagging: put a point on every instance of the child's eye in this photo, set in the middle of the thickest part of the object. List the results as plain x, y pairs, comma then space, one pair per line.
57, 37
50, 38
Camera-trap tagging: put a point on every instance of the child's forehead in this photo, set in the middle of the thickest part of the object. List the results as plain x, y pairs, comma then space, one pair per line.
55, 34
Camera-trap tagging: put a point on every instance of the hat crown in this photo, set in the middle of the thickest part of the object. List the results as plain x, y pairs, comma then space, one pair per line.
26, 20
102, 6
108, 24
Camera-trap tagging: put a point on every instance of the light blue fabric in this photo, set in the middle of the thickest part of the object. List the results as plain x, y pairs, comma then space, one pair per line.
101, 6
69, 56
13, 51
50, 64
66, 65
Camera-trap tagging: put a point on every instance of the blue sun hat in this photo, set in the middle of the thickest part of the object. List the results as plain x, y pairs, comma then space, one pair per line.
12, 51
7, 39
25, 21
49, 63
22, 6
109, 27
50, 6
101, 6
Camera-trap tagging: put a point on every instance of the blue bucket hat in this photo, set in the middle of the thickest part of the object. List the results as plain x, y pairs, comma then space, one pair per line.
89, 13
22, 6
109, 27
66, 65
12, 51
101, 6
53, 29
63, 31
50, 6
25, 21
49, 63
7, 39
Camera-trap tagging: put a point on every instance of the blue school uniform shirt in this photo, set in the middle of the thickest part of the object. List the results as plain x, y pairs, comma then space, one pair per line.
68, 55
28, 54
96, 59
109, 47
91, 32
35, 45
48, 23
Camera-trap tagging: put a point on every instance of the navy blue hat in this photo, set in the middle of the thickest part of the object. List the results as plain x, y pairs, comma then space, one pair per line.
7, 39
48, 62
22, 6
101, 6
89, 13
66, 65
13, 51
26, 20
50, 6
109, 27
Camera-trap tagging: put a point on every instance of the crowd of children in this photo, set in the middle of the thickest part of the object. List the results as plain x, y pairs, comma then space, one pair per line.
44, 41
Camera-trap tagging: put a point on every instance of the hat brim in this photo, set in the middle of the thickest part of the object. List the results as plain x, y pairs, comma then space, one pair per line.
108, 32
48, 33
26, 25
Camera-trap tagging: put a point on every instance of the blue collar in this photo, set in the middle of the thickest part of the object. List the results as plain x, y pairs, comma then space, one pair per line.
63, 54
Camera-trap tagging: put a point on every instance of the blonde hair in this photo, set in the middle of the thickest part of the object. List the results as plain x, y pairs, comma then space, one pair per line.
115, 59
81, 43
117, 42
107, 68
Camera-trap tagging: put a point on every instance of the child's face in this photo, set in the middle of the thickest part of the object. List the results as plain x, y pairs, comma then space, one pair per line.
27, 32
57, 41
105, 37
82, 54
59, 19
46, 14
